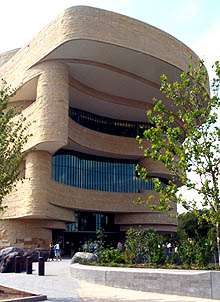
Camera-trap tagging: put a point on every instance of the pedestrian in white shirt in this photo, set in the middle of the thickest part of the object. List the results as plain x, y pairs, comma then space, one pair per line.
57, 251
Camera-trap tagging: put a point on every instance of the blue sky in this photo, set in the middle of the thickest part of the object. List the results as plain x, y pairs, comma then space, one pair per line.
194, 22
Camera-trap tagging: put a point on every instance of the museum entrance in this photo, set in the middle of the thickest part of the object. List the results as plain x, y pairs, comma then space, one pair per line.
84, 230
72, 242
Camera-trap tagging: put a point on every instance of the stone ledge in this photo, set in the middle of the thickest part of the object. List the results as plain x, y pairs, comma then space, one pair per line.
202, 284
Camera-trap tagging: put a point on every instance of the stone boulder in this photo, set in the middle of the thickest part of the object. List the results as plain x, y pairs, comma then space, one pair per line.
84, 257
35, 253
5, 252
7, 265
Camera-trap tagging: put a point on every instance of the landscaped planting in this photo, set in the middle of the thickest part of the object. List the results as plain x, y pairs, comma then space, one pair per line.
146, 248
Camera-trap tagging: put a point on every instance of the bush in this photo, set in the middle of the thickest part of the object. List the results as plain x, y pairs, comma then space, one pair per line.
205, 249
158, 252
112, 255
186, 251
197, 251
144, 246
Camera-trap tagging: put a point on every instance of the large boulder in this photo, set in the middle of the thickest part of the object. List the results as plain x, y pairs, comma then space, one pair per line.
9, 250
84, 257
7, 265
36, 253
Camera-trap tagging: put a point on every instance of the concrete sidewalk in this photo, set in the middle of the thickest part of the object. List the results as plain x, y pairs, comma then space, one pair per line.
58, 285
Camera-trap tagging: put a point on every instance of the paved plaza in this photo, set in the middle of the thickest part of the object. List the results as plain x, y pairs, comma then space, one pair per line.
58, 285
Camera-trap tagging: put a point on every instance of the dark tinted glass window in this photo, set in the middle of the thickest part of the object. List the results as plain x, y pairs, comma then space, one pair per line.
90, 221
108, 125
98, 173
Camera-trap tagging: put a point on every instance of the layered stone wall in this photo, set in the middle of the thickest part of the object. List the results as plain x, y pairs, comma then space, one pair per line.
100, 25
41, 73
27, 233
102, 142
6, 56
49, 205
202, 284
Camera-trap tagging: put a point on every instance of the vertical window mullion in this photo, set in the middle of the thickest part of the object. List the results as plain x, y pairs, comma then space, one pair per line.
92, 174
109, 177
116, 176
79, 171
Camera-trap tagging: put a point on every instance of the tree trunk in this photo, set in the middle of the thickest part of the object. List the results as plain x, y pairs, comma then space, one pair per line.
218, 242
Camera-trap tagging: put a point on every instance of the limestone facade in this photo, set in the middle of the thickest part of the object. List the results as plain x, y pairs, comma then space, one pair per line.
99, 62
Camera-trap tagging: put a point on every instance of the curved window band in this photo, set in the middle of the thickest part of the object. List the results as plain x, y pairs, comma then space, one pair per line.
108, 125
98, 173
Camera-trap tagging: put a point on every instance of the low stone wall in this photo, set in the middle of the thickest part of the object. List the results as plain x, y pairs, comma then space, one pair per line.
202, 284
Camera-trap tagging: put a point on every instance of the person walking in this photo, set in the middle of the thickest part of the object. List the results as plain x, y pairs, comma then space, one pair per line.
51, 253
38, 251
57, 251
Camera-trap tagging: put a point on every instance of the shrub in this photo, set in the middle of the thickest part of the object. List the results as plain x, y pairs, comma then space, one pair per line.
205, 249
186, 251
158, 252
144, 246
197, 251
111, 255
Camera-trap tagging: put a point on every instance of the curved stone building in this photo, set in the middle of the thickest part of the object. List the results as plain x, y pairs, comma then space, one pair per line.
85, 83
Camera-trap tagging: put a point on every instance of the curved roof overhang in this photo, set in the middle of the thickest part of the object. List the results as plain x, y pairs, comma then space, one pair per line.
115, 62
107, 73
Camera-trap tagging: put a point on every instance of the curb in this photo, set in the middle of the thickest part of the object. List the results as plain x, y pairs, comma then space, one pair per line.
27, 299
35, 297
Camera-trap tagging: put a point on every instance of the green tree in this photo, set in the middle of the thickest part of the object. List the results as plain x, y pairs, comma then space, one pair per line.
185, 137
13, 137
190, 226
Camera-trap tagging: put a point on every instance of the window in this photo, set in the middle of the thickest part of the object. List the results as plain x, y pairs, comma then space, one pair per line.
108, 125
98, 173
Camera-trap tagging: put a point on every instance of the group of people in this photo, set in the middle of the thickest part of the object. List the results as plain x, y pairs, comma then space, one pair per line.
89, 247
55, 251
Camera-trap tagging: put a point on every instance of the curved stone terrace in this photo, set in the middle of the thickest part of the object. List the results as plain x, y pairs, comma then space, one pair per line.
193, 283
